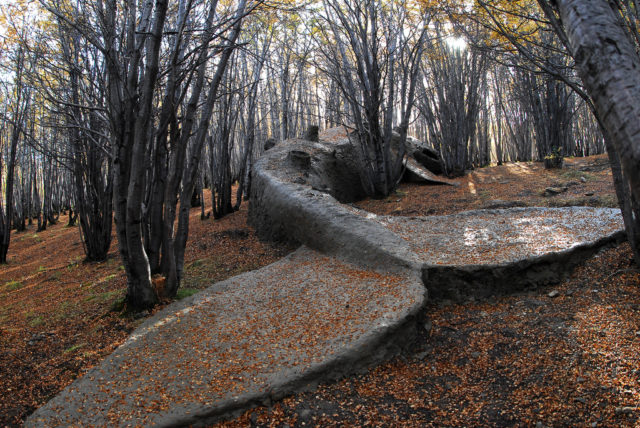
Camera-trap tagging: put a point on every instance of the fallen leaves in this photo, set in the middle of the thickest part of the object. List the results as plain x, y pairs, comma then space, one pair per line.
516, 360
58, 322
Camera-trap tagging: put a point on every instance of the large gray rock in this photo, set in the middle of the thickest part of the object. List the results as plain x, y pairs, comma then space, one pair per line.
478, 253
488, 252
424, 155
287, 205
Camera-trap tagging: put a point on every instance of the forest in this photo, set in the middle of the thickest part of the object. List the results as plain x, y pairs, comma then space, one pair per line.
155, 102
123, 115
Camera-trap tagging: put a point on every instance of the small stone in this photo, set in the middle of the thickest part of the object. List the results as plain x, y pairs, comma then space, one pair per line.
484, 314
141, 314
568, 293
580, 400
476, 354
554, 293
589, 194
550, 191
583, 179
580, 379
625, 410
594, 424
304, 414
428, 326
539, 425
422, 355
638, 333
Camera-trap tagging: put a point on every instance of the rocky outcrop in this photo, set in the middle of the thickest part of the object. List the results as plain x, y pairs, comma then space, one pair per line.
246, 341
522, 247
301, 204
424, 155
351, 300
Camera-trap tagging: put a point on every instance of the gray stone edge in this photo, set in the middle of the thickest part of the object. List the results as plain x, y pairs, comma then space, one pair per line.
318, 221
378, 346
482, 281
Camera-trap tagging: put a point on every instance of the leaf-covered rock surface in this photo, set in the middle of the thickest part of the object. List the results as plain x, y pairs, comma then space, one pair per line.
495, 237
522, 360
245, 339
570, 359
559, 355
60, 316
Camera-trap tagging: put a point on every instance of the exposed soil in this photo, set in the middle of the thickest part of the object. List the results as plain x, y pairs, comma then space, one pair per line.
518, 360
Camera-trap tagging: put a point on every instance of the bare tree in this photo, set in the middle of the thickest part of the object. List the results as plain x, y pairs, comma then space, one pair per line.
15, 120
609, 66
451, 101
360, 53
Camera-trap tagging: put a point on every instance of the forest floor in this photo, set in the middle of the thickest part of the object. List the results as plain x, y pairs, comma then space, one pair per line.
525, 359
60, 316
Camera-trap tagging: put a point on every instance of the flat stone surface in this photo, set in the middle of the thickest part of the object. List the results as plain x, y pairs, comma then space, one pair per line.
245, 340
498, 237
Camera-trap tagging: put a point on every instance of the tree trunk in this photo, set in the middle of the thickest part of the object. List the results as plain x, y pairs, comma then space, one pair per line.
5, 223
609, 66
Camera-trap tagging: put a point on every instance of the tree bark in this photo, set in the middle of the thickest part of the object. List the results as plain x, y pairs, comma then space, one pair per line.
609, 67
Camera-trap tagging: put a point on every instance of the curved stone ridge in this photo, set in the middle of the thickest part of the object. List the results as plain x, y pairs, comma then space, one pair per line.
471, 254
286, 206
312, 317
247, 340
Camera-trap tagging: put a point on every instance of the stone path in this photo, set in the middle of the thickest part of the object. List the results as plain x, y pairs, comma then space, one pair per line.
349, 303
